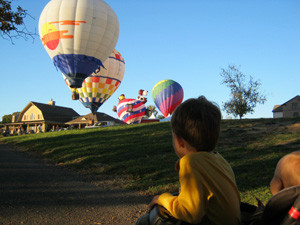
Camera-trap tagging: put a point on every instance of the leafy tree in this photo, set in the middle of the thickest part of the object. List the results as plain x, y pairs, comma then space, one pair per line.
160, 117
6, 118
12, 22
245, 94
152, 110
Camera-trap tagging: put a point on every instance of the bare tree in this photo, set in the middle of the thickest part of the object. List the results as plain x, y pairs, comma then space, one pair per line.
245, 94
12, 22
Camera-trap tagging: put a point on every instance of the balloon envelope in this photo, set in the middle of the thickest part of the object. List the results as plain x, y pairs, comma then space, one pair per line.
78, 36
131, 110
98, 87
167, 95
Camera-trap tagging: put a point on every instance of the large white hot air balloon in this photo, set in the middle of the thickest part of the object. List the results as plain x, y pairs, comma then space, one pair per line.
78, 35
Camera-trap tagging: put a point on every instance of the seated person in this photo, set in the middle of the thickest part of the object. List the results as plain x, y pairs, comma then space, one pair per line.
208, 192
287, 172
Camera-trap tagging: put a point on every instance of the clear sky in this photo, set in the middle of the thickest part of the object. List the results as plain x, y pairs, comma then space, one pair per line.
187, 41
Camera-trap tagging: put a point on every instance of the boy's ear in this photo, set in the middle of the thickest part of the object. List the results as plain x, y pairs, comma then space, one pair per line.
180, 140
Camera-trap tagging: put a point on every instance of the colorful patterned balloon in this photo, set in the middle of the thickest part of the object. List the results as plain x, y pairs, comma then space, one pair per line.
167, 95
78, 36
98, 87
131, 111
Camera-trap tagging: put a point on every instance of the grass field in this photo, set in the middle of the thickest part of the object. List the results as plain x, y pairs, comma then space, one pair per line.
141, 156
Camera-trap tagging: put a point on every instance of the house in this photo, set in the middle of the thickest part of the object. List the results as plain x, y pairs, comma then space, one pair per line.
37, 117
91, 119
291, 108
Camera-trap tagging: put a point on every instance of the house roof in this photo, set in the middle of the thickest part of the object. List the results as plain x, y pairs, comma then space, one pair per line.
52, 113
98, 117
279, 108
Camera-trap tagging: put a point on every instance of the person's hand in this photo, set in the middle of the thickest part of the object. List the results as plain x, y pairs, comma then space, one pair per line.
153, 202
177, 165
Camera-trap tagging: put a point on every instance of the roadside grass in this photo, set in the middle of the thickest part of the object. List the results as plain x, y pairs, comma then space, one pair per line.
141, 156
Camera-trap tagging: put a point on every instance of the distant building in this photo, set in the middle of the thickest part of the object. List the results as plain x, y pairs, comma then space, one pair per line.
291, 108
39, 117
96, 119
151, 119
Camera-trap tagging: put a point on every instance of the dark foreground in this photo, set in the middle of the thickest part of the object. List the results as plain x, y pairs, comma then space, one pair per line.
34, 192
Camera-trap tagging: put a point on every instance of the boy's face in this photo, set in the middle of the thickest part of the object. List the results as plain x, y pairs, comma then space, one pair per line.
178, 146
181, 146
175, 144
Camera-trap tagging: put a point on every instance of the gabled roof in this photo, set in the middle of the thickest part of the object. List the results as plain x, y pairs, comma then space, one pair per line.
52, 113
279, 108
98, 117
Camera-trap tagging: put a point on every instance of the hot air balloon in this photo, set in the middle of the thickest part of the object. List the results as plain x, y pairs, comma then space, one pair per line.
98, 87
167, 95
78, 36
131, 111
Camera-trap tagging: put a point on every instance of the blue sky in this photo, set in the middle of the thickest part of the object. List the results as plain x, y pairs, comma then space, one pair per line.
187, 41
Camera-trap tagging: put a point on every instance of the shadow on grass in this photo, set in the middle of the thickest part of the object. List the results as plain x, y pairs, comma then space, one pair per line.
144, 154
255, 168
27, 181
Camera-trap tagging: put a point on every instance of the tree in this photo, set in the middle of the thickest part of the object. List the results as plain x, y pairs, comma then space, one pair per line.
152, 110
160, 117
12, 22
245, 94
6, 118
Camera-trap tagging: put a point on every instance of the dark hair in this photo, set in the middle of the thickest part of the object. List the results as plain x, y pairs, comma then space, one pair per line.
197, 121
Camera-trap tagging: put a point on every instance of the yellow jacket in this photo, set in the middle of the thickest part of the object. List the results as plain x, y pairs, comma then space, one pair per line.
208, 191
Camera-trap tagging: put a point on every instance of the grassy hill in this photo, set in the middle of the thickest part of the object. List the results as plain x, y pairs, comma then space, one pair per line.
141, 156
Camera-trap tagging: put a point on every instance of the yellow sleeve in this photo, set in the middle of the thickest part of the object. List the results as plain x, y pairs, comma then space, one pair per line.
189, 205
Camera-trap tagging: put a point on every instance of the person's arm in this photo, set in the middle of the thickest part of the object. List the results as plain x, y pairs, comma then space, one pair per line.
276, 183
154, 201
189, 204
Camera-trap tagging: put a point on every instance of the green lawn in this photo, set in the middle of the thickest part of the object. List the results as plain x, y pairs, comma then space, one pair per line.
141, 156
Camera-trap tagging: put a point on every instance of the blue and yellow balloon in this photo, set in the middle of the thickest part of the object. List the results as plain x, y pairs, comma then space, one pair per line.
78, 36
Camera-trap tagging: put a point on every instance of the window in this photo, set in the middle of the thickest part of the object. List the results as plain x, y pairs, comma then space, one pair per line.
32, 116
295, 114
129, 108
294, 105
39, 116
25, 117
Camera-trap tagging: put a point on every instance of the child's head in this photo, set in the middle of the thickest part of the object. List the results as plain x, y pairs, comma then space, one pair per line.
287, 172
197, 121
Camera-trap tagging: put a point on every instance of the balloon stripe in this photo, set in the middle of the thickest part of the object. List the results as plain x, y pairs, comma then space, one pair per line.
116, 58
135, 116
163, 85
137, 112
176, 98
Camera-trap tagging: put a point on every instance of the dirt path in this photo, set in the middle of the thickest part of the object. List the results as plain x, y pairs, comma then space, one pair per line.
33, 192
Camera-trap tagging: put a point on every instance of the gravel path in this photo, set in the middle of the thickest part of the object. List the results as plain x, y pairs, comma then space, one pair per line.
34, 192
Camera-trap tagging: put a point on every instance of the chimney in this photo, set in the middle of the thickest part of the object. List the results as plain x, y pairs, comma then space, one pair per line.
51, 102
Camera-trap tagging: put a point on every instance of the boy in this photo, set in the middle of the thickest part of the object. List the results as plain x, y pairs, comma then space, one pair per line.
208, 192
287, 172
